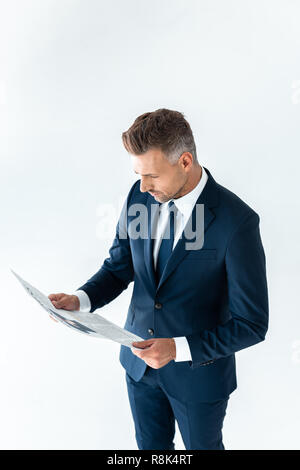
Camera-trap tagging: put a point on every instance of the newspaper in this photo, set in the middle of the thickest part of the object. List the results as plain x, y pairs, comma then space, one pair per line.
88, 323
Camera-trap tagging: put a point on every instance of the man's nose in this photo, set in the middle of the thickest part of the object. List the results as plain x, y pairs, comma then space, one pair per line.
143, 187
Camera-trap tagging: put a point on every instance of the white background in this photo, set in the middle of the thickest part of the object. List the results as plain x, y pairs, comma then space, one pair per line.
73, 76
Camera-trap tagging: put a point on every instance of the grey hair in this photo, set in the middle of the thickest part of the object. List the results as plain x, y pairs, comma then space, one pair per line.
184, 144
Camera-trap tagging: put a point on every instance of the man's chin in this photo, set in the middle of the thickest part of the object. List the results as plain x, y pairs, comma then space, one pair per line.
159, 197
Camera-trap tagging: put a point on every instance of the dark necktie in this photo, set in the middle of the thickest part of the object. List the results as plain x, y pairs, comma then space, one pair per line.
166, 246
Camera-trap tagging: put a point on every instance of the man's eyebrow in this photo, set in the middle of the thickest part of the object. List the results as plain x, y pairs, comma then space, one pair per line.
149, 174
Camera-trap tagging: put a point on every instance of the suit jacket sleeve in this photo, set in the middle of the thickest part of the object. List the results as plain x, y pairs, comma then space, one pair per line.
117, 270
248, 297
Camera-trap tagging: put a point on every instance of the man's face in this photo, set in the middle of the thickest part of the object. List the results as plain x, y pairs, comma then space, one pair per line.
161, 179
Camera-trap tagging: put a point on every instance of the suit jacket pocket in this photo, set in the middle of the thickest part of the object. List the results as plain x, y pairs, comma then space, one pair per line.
201, 254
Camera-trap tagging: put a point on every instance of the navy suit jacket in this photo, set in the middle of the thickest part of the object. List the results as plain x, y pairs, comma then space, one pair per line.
215, 296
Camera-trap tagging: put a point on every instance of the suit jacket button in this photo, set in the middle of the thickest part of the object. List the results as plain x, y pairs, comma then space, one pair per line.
158, 305
150, 331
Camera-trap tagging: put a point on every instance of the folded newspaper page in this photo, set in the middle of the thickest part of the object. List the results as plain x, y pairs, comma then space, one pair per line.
88, 323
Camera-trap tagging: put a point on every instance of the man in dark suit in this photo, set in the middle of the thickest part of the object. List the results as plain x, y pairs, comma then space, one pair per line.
200, 292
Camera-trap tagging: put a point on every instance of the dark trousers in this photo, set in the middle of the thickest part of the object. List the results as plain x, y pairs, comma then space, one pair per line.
154, 412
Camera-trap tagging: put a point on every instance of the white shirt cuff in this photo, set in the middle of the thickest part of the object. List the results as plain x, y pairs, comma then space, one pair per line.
183, 352
84, 300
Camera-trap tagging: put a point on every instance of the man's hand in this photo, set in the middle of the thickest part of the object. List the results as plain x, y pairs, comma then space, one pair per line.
64, 301
156, 352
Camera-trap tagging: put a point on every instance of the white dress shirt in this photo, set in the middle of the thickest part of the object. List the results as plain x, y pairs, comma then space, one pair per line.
185, 205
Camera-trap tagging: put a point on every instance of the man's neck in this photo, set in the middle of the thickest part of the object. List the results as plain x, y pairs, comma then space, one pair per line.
196, 178
192, 183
